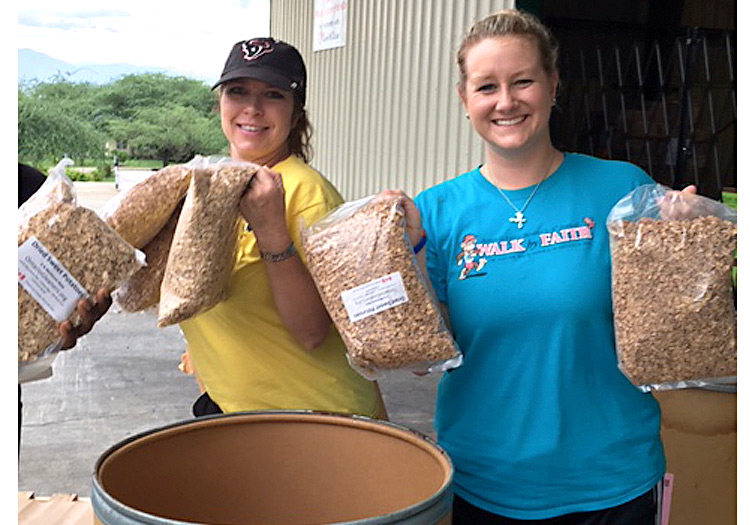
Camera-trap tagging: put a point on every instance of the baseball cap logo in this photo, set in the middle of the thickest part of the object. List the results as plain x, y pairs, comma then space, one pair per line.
256, 48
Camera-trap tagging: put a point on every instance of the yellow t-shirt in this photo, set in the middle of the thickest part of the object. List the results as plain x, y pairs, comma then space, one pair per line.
241, 351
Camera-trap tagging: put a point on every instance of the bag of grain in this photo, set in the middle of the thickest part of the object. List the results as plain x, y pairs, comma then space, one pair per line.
370, 282
672, 293
141, 212
203, 250
65, 252
141, 290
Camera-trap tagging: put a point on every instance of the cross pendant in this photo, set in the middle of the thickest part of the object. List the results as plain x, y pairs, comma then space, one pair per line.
518, 219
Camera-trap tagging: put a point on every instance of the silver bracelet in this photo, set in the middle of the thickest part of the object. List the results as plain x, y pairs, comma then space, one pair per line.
279, 256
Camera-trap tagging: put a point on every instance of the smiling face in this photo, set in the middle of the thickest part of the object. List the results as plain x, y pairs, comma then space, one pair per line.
256, 119
508, 94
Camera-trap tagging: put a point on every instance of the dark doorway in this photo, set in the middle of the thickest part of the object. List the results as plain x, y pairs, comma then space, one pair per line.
649, 81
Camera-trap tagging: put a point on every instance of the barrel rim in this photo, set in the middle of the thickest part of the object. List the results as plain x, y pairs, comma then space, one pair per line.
352, 420
441, 500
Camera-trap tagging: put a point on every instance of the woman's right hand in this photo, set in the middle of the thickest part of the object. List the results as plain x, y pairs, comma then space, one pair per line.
414, 230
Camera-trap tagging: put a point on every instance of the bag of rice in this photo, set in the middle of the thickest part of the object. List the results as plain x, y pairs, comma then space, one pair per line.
142, 289
65, 252
203, 251
374, 291
672, 294
140, 213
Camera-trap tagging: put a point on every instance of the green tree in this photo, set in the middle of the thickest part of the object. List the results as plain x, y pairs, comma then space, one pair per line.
154, 116
48, 129
131, 93
169, 133
161, 117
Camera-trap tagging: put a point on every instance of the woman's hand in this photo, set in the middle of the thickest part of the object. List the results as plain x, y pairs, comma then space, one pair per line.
262, 206
678, 205
89, 312
294, 293
414, 230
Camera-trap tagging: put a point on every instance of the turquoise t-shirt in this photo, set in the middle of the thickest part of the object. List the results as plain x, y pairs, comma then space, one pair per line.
538, 420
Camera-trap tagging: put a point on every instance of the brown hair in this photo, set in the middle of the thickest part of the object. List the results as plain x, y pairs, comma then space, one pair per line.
299, 136
510, 22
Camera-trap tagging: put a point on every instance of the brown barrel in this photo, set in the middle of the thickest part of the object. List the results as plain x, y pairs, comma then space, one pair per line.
287, 467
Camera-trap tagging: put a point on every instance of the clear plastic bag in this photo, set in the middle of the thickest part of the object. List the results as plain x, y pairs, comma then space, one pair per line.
141, 291
57, 188
202, 254
674, 304
65, 251
141, 212
370, 282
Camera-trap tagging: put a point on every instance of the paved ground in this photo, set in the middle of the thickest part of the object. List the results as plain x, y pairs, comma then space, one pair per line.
122, 379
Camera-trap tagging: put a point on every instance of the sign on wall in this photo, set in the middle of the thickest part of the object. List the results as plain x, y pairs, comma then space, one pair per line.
329, 24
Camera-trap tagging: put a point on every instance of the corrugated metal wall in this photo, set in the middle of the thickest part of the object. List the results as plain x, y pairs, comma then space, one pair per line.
384, 108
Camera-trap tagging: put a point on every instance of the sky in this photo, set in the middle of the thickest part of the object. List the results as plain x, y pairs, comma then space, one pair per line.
190, 38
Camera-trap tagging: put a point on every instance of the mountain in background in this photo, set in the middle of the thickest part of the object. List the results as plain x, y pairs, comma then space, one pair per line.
38, 67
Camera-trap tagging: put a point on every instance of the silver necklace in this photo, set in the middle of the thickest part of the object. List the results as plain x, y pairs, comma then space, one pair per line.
519, 218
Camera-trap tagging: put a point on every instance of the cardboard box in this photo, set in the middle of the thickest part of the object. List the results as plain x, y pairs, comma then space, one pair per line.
699, 431
60, 509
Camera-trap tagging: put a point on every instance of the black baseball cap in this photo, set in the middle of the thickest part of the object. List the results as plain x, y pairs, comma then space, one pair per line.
268, 60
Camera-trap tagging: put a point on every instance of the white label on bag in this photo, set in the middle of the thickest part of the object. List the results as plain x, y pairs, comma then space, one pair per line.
373, 297
47, 281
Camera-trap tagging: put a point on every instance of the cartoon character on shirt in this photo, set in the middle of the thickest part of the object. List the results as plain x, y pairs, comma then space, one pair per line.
469, 257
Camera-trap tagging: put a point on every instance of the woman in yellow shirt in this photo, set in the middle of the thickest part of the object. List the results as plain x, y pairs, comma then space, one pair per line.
271, 344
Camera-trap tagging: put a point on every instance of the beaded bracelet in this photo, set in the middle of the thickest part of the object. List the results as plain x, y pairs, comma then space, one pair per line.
279, 256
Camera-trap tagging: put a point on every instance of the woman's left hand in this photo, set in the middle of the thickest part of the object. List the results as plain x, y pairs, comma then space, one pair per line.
89, 312
678, 205
294, 293
262, 206
414, 230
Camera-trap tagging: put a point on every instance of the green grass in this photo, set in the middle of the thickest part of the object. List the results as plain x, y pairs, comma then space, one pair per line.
136, 163
730, 199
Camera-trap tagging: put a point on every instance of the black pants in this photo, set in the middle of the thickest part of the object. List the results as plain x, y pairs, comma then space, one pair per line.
639, 511
205, 406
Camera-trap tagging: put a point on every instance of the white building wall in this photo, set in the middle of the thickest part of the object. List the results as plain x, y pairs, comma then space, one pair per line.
384, 107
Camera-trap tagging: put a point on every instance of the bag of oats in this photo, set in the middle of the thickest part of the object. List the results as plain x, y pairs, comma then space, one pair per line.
65, 252
672, 292
141, 290
141, 212
371, 285
203, 250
